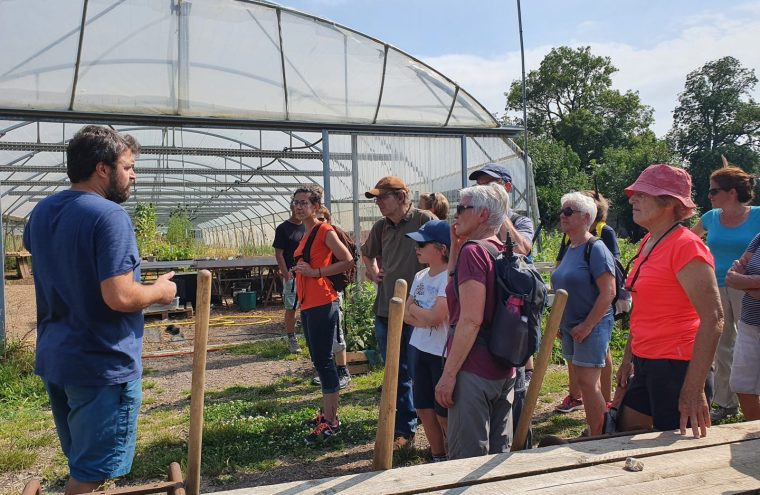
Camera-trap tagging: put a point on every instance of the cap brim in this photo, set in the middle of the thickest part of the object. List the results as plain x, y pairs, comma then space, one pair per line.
416, 236
474, 175
372, 193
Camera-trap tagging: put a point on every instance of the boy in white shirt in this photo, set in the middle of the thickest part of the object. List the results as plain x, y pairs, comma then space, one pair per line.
426, 310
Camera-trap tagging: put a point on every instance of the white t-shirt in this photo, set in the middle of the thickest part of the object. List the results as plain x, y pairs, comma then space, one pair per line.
425, 291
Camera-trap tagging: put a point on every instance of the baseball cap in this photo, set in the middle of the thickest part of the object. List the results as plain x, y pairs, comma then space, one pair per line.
389, 183
662, 179
433, 231
494, 170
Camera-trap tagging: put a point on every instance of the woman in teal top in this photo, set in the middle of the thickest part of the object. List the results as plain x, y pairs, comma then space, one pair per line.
730, 227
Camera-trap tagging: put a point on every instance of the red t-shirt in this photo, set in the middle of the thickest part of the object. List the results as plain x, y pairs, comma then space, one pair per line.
475, 263
663, 322
313, 291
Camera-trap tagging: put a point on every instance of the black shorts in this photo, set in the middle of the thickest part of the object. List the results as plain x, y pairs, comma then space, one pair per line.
428, 369
655, 389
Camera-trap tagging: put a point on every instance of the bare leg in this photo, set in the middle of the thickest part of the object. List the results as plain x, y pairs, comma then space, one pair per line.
290, 321
340, 358
433, 432
629, 419
330, 407
573, 388
606, 378
593, 401
529, 363
74, 486
750, 405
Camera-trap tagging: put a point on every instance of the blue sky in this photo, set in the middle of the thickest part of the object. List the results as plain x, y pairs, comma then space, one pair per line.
654, 44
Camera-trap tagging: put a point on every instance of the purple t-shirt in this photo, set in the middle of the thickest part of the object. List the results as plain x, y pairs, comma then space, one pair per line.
475, 263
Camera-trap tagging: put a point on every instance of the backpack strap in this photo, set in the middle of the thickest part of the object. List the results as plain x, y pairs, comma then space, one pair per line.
306, 253
587, 257
490, 248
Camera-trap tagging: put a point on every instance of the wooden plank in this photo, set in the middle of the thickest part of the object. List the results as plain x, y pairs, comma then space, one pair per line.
710, 470
487, 469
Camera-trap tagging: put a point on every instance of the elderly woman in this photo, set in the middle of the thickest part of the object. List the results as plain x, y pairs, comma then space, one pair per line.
477, 390
730, 226
677, 318
586, 325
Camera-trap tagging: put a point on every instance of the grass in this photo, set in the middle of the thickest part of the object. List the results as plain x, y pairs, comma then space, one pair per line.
268, 349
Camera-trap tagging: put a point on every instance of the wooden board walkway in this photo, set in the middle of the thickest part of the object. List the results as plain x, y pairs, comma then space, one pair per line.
726, 461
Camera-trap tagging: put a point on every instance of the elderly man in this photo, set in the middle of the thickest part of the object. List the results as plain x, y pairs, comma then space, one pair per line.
89, 307
388, 240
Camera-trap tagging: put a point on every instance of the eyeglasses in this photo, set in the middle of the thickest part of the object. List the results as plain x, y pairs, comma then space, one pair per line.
385, 195
461, 208
714, 191
299, 203
422, 244
567, 211
321, 219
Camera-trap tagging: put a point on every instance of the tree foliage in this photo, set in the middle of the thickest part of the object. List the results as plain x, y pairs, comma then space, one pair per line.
569, 99
716, 115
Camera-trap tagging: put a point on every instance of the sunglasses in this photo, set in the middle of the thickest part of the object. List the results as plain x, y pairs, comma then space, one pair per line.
567, 211
300, 203
321, 219
422, 244
461, 208
714, 191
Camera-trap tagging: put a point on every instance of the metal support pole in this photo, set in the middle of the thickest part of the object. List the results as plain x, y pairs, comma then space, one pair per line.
355, 187
463, 145
532, 203
2, 286
183, 57
326, 168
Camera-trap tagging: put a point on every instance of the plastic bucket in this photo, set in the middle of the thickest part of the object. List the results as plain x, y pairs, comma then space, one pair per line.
247, 300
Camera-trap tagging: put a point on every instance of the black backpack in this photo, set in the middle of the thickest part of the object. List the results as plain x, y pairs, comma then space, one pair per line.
339, 281
514, 334
621, 274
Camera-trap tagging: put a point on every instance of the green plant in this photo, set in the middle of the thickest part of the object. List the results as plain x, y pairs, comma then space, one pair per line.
146, 228
359, 316
179, 229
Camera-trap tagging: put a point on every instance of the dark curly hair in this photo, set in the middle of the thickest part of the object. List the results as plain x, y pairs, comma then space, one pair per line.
315, 193
94, 144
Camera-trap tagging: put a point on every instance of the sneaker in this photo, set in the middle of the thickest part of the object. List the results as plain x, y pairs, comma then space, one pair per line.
293, 346
344, 377
316, 381
607, 406
720, 413
323, 432
440, 458
316, 420
528, 378
403, 441
569, 404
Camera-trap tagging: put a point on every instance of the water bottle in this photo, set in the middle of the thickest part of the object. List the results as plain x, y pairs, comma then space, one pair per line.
514, 306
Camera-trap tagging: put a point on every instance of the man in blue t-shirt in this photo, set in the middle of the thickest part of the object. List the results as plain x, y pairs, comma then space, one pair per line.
89, 307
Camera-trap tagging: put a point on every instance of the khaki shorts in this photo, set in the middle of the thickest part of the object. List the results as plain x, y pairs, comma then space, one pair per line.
289, 293
745, 373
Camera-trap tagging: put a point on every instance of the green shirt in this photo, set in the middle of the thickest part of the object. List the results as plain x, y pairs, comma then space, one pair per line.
388, 241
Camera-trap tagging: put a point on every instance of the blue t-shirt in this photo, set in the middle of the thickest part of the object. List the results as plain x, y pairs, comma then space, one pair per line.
572, 274
78, 240
750, 305
729, 243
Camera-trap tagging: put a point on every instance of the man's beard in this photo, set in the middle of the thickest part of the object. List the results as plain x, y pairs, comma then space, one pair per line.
116, 194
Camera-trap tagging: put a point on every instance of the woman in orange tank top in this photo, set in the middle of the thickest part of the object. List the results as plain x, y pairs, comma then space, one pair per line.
319, 302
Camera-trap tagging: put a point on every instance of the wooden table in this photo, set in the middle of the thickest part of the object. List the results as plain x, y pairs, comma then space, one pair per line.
23, 269
726, 461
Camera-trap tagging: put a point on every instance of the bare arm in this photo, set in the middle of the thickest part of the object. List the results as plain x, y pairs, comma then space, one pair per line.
699, 229
281, 264
339, 250
371, 271
523, 245
606, 284
121, 292
736, 277
431, 317
472, 297
698, 281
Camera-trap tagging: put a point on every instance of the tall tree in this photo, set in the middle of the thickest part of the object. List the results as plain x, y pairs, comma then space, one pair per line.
570, 99
716, 115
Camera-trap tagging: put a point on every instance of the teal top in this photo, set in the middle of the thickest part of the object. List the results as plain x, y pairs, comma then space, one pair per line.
729, 243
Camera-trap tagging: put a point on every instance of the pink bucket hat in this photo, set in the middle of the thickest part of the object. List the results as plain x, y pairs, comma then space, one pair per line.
662, 179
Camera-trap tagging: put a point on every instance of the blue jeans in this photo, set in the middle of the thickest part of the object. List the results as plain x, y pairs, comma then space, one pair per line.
406, 415
319, 326
97, 427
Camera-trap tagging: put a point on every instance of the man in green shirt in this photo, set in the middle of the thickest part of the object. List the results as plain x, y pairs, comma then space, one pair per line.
388, 243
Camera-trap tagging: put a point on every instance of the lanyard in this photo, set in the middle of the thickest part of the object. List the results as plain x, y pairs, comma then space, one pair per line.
638, 268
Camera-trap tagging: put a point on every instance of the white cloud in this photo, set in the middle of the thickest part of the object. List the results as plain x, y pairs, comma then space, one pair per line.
658, 72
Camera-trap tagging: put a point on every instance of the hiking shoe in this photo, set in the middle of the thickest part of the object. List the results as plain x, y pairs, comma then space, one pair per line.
528, 378
323, 432
293, 346
720, 413
403, 441
316, 381
569, 404
316, 420
344, 377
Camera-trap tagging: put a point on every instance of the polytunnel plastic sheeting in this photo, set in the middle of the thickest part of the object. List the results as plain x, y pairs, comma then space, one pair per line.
228, 59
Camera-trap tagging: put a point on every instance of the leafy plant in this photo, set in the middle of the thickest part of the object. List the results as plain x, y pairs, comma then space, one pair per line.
179, 229
359, 316
146, 228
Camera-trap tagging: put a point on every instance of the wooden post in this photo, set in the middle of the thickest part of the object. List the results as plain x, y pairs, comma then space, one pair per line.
539, 369
202, 316
386, 422
399, 290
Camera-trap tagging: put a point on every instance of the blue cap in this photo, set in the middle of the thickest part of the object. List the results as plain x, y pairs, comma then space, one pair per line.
494, 170
433, 231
